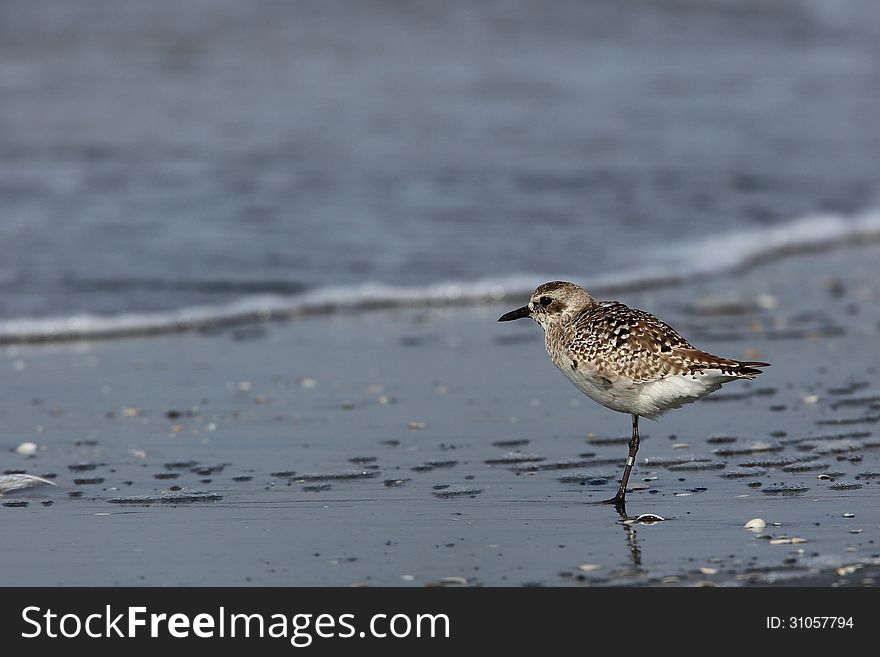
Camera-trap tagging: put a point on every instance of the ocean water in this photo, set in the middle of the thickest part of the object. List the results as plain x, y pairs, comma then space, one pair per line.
166, 162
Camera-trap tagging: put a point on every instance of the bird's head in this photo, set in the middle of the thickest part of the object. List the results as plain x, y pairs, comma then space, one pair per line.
551, 303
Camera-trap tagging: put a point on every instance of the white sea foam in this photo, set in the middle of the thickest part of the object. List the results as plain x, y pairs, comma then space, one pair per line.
663, 264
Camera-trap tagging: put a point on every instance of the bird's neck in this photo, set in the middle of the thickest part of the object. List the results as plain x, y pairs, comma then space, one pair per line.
555, 338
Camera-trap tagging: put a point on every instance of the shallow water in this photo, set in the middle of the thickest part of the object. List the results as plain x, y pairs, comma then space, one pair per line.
163, 155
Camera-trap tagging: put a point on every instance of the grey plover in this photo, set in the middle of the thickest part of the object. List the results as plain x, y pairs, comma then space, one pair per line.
625, 359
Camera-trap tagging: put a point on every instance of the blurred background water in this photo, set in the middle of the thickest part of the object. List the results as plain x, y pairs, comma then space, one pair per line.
161, 154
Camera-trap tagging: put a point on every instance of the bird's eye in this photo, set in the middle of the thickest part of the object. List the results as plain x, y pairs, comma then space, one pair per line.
545, 301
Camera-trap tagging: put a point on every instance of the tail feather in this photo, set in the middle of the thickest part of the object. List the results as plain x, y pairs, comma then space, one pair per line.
700, 361
749, 368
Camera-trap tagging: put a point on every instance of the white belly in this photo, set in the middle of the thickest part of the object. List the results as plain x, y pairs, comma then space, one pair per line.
649, 399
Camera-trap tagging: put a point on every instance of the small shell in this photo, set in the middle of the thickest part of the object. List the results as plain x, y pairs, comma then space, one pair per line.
27, 449
649, 518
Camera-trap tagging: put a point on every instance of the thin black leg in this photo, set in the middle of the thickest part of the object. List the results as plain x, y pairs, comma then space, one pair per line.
619, 500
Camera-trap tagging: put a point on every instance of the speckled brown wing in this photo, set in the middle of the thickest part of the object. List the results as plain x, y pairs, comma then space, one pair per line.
621, 341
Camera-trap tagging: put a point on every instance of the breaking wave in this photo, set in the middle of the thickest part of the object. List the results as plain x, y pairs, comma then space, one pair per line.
663, 264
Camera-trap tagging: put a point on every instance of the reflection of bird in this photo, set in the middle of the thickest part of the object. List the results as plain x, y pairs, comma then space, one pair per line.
625, 359
634, 551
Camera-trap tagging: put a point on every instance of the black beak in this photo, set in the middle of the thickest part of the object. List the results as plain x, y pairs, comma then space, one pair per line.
519, 313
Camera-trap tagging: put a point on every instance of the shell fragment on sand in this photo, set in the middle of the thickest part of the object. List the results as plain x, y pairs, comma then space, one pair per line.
649, 518
787, 540
19, 481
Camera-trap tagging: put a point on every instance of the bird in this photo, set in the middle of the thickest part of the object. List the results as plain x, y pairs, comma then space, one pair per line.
625, 359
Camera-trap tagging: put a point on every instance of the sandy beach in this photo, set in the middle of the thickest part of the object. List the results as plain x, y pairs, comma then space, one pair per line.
435, 446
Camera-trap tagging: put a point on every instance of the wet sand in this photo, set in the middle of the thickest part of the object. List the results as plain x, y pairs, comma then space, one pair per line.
427, 447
